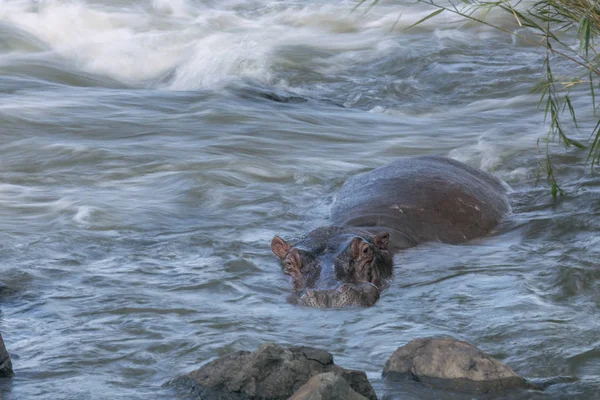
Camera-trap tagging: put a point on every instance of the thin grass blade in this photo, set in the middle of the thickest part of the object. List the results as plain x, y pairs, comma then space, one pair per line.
433, 14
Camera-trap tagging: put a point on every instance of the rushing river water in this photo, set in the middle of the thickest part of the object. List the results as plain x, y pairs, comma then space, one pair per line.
150, 150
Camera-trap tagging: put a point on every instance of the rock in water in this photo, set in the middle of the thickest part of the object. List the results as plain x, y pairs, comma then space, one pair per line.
271, 372
453, 364
5, 363
327, 386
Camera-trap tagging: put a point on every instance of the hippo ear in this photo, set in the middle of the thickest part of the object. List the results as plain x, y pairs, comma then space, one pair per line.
382, 240
280, 247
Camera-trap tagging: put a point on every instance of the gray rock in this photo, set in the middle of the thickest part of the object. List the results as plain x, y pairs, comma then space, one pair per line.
453, 364
328, 386
271, 372
5, 363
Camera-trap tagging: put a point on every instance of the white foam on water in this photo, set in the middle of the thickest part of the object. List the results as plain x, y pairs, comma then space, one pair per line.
74, 148
217, 58
484, 152
17, 200
204, 46
117, 43
64, 204
488, 154
83, 214
256, 236
176, 8
518, 175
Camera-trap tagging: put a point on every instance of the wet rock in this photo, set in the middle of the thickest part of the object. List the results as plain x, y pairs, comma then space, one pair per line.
271, 372
328, 386
453, 364
5, 363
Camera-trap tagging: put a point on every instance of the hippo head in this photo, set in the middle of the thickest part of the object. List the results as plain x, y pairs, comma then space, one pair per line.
329, 256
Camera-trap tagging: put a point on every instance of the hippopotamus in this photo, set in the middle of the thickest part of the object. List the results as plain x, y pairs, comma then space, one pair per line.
376, 214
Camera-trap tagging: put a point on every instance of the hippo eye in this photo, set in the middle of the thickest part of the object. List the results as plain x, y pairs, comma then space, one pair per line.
292, 263
288, 267
360, 248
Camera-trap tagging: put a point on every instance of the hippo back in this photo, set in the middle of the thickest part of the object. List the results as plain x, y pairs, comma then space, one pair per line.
423, 199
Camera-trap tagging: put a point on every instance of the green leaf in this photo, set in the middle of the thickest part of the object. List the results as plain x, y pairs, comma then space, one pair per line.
592, 90
433, 14
587, 28
575, 143
594, 149
395, 23
571, 110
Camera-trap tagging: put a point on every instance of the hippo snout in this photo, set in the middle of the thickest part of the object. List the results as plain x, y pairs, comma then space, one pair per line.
364, 294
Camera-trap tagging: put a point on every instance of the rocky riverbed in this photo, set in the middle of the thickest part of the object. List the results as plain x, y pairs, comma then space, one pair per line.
275, 372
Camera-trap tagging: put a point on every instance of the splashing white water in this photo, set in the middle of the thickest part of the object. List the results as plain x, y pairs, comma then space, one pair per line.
201, 45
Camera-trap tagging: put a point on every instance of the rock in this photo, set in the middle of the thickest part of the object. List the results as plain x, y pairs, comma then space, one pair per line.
5, 363
453, 364
328, 386
271, 372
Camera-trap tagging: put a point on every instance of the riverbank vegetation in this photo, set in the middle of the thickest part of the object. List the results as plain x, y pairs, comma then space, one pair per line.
566, 30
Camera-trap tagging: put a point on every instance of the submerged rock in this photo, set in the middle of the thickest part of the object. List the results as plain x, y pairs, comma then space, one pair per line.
5, 363
328, 386
453, 364
271, 372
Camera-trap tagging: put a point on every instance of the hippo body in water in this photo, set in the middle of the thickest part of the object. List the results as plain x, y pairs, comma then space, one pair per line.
378, 213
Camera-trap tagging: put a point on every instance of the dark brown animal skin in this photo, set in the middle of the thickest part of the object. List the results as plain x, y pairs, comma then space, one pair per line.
378, 213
